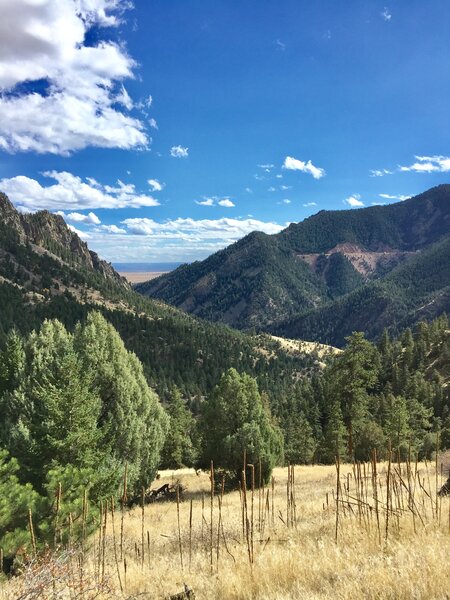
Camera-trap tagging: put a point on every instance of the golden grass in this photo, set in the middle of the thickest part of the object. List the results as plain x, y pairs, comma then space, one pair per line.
302, 561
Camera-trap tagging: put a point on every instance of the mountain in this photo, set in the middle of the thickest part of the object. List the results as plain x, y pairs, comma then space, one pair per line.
333, 273
46, 271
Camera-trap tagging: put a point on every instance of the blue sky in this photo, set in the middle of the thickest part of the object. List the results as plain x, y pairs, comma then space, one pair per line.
166, 130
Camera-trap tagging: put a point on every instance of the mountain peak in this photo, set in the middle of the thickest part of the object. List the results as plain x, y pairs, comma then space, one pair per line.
50, 232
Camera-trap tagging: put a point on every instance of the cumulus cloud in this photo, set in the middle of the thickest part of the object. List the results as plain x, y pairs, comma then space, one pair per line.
354, 201
226, 203
71, 193
395, 197
424, 164
225, 229
293, 164
174, 240
286, 201
81, 234
429, 164
74, 217
155, 185
112, 229
215, 200
74, 95
310, 204
179, 152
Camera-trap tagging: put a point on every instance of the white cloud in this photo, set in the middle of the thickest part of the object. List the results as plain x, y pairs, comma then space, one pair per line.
380, 172
310, 204
155, 185
398, 197
179, 152
153, 123
205, 202
84, 98
286, 201
272, 189
279, 176
354, 201
249, 190
91, 218
285, 187
429, 164
179, 239
71, 193
112, 229
267, 168
293, 164
225, 229
386, 15
81, 234
226, 203
281, 45
424, 164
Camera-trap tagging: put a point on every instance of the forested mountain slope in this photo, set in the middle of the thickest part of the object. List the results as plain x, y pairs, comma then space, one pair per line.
328, 262
46, 271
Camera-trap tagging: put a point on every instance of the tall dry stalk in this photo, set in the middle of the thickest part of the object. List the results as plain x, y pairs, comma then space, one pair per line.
211, 515
123, 504
142, 527
338, 487
57, 510
31, 531
190, 534
179, 526
116, 558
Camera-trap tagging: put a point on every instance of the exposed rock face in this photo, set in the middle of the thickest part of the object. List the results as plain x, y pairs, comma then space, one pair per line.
49, 232
10, 218
365, 261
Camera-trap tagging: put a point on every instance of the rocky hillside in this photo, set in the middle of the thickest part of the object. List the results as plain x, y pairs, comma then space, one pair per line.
293, 281
48, 233
46, 271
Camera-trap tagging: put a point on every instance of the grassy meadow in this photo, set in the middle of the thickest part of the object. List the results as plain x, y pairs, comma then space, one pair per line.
390, 538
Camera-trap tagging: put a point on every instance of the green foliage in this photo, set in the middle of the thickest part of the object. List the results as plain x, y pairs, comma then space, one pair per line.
131, 417
261, 281
236, 419
16, 500
179, 448
354, 373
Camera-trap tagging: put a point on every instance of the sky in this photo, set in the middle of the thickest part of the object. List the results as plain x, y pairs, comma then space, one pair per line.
164, 130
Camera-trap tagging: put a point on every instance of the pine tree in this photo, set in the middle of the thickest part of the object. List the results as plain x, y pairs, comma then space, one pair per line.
353, 374
15, 501
178, 450
235, 419
132, 418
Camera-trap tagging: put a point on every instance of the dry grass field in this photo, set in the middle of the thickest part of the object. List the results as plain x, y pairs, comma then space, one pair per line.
389, 539
139, 277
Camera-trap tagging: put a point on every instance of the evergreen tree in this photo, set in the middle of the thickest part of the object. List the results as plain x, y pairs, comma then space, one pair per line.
179, 450
396, 425
353, 374
299, 442
131, 416
15, 501
236, 419
335, 438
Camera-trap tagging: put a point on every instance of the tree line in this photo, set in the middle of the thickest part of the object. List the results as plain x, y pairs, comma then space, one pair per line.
77, 412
